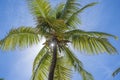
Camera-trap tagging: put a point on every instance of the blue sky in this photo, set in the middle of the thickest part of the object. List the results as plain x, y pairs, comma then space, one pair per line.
105, 17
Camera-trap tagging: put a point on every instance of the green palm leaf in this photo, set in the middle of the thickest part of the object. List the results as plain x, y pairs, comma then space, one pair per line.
39, 57
41, 65
57, 25
91, 42
20, 37
39, 8
51, 26
63, 71
74, 19
59, 9
71, 6
77, 65
79, 32
116, 72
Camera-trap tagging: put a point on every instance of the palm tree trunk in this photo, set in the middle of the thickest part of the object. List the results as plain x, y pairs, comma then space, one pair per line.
53, 63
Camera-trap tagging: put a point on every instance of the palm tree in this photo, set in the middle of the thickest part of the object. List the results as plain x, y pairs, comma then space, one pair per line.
116, 72
59, 27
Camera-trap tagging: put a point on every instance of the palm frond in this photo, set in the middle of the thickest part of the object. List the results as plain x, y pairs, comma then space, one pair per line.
63, 71
91, 42
1, 43
41, 65
93, 45
86, 75
20, 37
39, 57
77, 65
116, 72
53, 25
43, 31
71, 6
72, 58
79, 32
59, 9
58, 25
74, 19
39, 8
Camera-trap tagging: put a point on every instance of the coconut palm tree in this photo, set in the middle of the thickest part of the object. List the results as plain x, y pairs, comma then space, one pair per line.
116, 72
59, 27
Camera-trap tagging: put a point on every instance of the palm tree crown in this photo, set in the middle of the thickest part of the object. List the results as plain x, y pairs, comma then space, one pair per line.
59, 26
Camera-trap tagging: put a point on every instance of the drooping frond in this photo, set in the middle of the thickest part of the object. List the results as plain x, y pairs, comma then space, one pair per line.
91, 42
39, 8
62, 71
71, 6
79, 32
20, 37
72, 58
86, 75
74, 19
77, 65
41, 65
39, 57
116, 72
